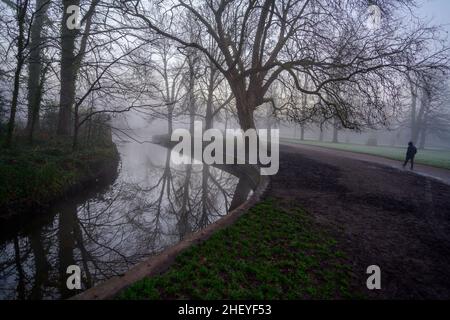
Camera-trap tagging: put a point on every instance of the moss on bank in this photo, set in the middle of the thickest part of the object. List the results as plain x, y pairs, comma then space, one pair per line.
272, 252
34, 176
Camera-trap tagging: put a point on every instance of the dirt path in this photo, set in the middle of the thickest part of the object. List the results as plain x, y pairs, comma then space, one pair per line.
395, 219
424, 170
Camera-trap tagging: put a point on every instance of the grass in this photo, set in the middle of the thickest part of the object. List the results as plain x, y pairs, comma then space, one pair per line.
435, 158
269, 253
34, 175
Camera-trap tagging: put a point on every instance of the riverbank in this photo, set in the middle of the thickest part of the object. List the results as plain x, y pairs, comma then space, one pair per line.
328, 218
274, 251
33, 177
159, 262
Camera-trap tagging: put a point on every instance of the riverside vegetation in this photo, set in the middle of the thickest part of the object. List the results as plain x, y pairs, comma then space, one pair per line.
33, 175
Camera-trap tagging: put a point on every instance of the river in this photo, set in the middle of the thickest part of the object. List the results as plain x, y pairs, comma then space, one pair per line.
151, 205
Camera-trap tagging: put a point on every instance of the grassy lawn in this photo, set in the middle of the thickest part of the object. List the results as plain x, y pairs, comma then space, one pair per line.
269, 253
34, 175
435, 158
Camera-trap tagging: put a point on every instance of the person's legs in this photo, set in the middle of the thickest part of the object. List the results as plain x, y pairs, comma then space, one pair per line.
405, 163
412, 163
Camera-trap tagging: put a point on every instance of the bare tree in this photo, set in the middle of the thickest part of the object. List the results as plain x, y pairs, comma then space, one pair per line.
430, 111
71, 61
326, 40
215, 95
36, 67
21, 7
168, 68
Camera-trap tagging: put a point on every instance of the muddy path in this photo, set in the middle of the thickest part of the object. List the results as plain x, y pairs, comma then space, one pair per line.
380, 215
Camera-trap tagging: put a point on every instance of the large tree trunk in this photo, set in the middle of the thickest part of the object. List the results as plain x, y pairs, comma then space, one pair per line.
70, 66
245, 114
35, 69
246, 103
33, 123
68, 72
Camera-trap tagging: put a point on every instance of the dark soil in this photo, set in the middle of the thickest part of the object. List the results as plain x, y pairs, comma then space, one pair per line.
381, 216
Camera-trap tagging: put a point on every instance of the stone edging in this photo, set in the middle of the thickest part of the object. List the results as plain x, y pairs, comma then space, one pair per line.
159, 263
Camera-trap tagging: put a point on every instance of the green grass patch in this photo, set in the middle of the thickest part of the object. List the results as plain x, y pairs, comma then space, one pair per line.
435, 158
269, 253
35, 175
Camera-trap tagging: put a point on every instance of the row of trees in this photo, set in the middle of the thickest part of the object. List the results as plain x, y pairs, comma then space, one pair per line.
429, 108
424, 111
71, 76
307, 61
51, 67
321, 49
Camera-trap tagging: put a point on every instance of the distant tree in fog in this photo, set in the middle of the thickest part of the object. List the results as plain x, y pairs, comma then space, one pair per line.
430, 107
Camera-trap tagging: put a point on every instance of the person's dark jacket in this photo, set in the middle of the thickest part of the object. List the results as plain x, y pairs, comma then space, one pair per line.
412, 150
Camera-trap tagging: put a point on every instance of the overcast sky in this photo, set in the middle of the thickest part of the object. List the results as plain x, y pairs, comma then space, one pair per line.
437, 10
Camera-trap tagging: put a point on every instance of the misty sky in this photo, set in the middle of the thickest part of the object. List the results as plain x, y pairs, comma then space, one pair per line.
437, 10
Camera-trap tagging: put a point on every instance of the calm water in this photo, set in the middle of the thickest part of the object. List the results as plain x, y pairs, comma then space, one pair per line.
151, 205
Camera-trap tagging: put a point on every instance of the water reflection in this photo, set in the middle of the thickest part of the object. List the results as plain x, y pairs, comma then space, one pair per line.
151, 205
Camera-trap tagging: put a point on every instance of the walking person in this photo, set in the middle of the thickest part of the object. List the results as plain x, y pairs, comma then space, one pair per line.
410, 154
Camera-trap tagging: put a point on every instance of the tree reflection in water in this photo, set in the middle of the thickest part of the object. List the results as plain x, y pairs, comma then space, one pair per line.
152, 204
